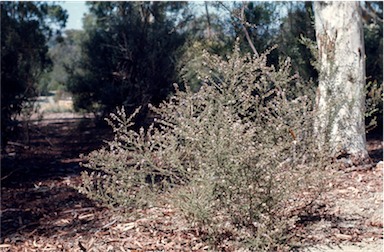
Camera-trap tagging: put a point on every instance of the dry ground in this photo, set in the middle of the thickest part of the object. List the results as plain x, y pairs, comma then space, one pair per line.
40, 210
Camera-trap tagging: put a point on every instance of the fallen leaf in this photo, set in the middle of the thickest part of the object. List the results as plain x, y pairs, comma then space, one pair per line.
125, 226
86, 216
343, 236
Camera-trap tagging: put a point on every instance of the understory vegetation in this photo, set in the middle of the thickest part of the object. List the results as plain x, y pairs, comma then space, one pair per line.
238, 157
233, 148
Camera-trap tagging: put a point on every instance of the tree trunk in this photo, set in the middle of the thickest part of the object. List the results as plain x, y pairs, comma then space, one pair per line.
341, 92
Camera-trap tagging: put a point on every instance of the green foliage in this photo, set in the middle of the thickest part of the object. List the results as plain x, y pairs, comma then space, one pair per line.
64, 51
374, 106
296, 25
373, 38
24, 32
235, 156
266, 26
206, 31
260, 20
127, 55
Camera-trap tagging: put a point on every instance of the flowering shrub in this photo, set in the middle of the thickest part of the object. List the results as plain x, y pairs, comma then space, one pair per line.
236, 156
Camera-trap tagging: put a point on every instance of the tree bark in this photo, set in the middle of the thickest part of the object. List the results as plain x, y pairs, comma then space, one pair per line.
341, 93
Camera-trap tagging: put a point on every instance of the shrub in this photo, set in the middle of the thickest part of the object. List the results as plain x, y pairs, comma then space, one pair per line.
237, 157
373, 106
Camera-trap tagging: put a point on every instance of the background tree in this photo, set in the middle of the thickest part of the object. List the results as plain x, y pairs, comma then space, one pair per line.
296, 25
205, 31
128, 55
263, 25
341, 91
25, 29
216, 29
64, 51
373, 38
255, 24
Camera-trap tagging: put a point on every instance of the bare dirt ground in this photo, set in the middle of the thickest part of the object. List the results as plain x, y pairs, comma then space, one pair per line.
41, 211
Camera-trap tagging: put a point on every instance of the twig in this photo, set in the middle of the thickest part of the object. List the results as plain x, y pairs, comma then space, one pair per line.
360, 168
109, 224
13, 171
82, 247
246, 32
18, 144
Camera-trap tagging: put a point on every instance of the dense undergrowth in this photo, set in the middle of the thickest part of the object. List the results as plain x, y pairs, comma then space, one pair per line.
238, 157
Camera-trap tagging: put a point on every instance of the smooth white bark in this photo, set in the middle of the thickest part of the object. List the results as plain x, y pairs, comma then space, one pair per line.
341, 96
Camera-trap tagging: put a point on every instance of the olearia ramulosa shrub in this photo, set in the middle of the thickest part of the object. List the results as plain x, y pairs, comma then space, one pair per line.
236, 157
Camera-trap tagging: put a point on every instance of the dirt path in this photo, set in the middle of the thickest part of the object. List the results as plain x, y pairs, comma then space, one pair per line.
35, 177
41, 211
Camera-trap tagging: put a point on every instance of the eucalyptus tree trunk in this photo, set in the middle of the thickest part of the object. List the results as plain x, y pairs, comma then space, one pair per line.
341, 93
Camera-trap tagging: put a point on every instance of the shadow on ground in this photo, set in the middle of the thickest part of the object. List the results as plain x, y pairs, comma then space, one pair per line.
38, 173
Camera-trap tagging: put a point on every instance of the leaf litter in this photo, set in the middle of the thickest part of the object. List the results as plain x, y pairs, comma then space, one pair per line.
40, 210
